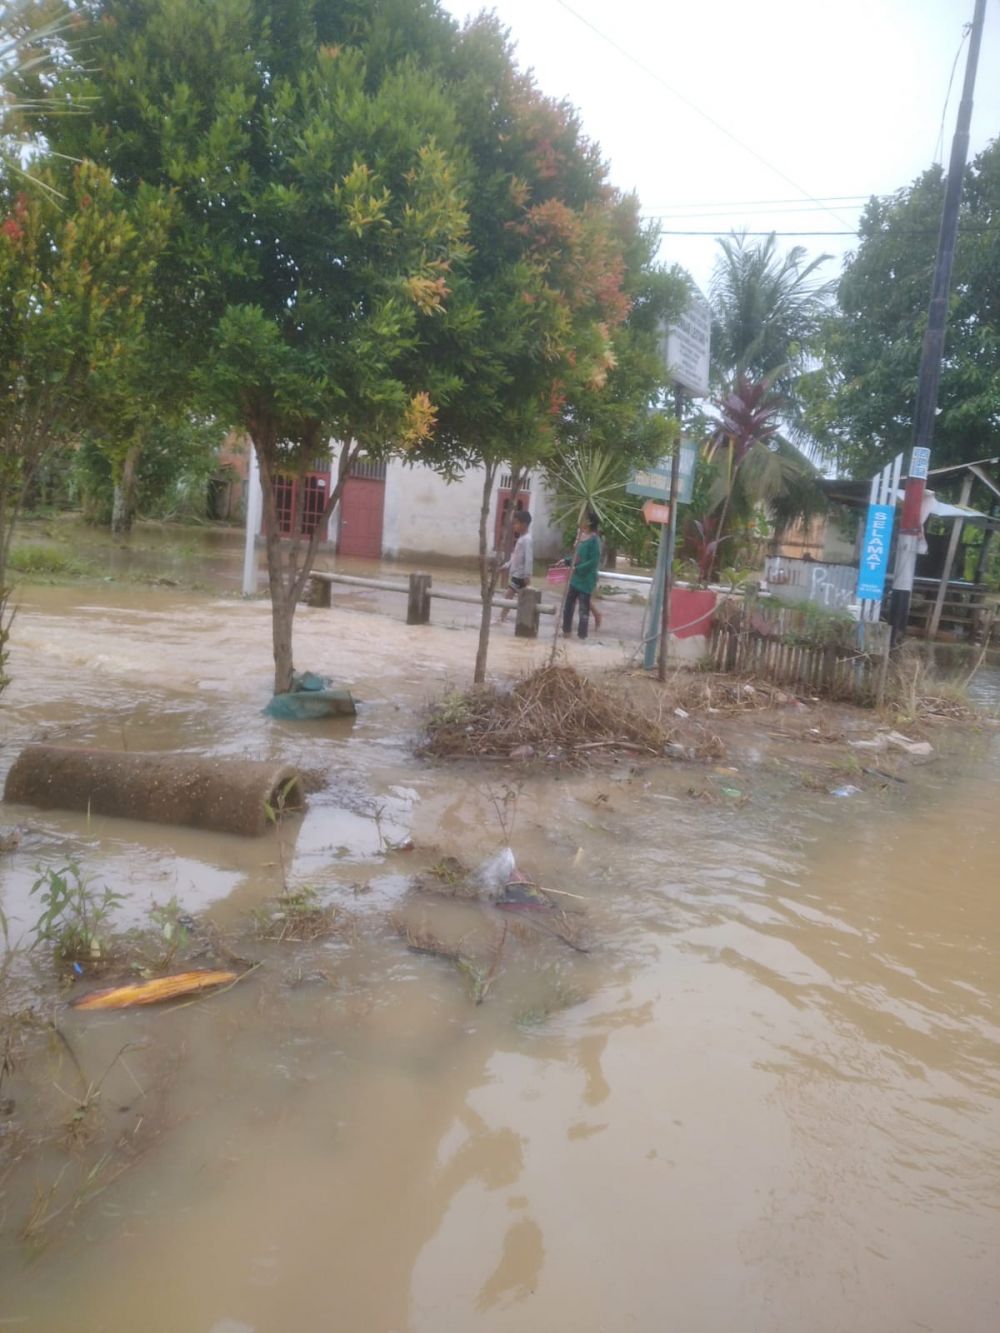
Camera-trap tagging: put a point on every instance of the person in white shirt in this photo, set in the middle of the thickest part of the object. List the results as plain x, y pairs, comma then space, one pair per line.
522, 559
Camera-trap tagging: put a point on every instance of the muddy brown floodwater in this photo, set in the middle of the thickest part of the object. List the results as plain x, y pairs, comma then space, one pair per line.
766, 1100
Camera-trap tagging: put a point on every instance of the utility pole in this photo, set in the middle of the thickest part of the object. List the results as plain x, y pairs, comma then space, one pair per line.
911, 527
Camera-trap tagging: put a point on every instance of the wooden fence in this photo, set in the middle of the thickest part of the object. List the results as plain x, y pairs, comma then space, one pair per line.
529, 607
790, 646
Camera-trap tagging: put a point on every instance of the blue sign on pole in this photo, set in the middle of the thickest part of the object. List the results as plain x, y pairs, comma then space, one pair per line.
875, 553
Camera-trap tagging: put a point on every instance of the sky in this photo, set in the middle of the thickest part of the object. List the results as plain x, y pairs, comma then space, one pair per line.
816, 106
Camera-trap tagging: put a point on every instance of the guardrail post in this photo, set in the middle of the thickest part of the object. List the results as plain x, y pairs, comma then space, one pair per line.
418, 610
529, 601
318, 592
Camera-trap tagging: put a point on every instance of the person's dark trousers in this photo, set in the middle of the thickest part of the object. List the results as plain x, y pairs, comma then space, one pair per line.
573, 596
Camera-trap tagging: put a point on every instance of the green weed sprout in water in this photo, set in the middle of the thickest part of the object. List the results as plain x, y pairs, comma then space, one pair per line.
76, 914
172, 927
284, 798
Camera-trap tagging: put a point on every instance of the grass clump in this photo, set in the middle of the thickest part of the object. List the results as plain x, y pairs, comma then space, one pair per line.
299, 918
914, 690
43, 558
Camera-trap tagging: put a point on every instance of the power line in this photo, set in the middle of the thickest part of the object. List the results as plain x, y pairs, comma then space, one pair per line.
658, 78
912, 231
694, 214
669, 231
753, 203
939, 146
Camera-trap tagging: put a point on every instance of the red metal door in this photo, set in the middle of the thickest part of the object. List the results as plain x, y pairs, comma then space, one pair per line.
504, 495
361, 506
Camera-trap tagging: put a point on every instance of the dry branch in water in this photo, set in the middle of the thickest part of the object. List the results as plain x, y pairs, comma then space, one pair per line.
421, 939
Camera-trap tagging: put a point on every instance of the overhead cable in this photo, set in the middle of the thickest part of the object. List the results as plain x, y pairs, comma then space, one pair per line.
705, 115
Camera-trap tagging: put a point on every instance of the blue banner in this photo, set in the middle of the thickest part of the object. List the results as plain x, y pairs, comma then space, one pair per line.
875, 553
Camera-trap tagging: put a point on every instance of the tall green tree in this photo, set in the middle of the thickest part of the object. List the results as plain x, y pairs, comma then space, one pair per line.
606, 432
544, 286
387, 234
861, 400
321, 215
75, 272
172, 474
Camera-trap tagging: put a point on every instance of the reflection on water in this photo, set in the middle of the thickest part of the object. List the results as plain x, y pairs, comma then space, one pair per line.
767, 1098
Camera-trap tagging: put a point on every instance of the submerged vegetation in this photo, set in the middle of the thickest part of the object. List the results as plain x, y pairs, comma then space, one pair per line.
44, 558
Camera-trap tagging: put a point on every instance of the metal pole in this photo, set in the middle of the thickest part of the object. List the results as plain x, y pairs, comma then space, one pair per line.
984, 550
668, 577
253, 507
655, 602
930, 362
957, 525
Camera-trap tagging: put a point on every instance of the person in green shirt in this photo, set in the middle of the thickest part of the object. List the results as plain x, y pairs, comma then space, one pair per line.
583, 580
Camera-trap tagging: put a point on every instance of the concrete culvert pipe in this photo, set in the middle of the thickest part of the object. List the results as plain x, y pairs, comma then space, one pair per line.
227, 795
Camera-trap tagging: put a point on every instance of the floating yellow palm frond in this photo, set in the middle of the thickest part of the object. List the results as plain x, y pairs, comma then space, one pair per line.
154, 992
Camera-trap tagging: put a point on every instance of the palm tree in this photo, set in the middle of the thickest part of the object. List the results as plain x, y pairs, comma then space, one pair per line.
767, 312
755, 467
32, 32
767, 309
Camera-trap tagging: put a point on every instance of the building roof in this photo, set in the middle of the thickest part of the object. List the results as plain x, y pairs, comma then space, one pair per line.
855, 494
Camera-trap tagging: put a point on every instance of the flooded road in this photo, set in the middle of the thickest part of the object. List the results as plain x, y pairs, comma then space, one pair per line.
767, 1099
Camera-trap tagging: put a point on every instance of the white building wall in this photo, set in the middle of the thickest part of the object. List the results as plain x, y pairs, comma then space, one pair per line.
548, 540
427, 516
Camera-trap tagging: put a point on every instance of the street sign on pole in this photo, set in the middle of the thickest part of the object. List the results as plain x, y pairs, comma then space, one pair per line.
686, 347
875, 553
686, 470
654, 482
654, 511
920, 460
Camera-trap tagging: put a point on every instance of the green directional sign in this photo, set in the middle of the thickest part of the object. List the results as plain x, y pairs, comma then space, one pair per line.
654, 482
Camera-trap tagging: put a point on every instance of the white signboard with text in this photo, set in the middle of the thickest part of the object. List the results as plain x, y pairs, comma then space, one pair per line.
687, 345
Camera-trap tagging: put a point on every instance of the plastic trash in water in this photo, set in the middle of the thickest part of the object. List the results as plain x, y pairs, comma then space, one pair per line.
522, 896
848, 789
310, 681
494, 875
300, 705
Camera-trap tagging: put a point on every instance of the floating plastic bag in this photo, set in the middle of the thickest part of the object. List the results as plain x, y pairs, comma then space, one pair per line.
494, 875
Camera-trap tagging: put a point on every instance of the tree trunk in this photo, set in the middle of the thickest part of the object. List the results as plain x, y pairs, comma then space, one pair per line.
487, 576
282, 614
287, 577
123, 506
489, 569
282, 608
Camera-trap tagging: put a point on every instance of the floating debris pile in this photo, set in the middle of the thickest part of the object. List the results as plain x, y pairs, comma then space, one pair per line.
553, 713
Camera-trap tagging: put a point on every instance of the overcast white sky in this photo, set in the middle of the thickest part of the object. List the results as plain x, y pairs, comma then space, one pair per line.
843, 99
